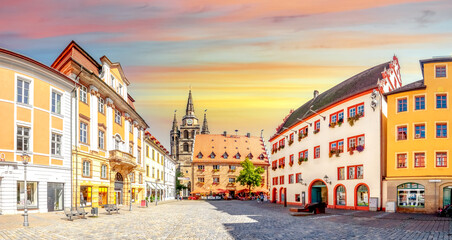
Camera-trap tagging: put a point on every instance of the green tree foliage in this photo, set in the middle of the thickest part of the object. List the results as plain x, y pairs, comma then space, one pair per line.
250, 176
179, 186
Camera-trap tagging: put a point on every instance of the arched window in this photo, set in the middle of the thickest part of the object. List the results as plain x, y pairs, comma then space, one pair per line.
411, 195
340, 195
362, 196
185, 134
185, 147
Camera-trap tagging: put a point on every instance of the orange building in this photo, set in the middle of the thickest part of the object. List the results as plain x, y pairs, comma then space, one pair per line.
216, 163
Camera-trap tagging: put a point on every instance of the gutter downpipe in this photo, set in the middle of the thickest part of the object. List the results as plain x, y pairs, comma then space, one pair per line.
77, 78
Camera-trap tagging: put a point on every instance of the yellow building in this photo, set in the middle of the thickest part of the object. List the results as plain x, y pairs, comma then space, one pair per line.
35, 118
107, 151
418, 175
154, 160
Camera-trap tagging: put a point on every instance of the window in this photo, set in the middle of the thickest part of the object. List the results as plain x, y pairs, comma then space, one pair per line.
212, 155
23, 91
337, 117
147, 171
118, 117
101, 104
317, 152
337, 145
411, 195
132, 176
83, 94
281, 179
201, 179
56, 103
441, 101
231, 180
140, 177
402, 105
341, 173
419, 102
441, 130
359, 172
291, 158
56, 144
291, 137
355, 172
101, 139
200, 167
216, 180
275, 181
147, 151
199, 155
291, 178
83, 132
103, 171
440, 71
362, 196
356, 109
139, 156
232, 167
23, 138
352, 112
216, 167
298, 178
303, 132
86, 168
419, 131
85, 196
31, 194
402, 133
401, 160
131, 149
317, 126
441, 159
351, 172
340, 195
356, 143
419, 160
158, 173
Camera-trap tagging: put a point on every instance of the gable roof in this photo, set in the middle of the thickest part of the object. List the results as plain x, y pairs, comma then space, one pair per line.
361, 82
409, 87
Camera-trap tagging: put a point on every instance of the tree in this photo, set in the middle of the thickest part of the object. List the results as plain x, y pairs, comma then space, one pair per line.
250, 176
179, 186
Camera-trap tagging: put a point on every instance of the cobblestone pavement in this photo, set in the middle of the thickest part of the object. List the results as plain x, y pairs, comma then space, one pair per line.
227, 220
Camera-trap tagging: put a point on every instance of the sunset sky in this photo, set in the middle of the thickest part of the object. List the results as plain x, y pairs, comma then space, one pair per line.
248, 62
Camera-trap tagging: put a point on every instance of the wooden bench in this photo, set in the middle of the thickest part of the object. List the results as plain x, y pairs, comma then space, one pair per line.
70, 214
111, 208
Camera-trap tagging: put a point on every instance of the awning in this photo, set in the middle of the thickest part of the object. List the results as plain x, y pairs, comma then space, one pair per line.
160, 186
151, 185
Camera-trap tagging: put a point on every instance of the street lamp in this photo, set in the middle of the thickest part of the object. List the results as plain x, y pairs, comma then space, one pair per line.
130, 178
326, 178
25, 159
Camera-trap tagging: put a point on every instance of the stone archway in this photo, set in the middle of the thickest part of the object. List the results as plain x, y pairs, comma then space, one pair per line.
318, 191
119, 189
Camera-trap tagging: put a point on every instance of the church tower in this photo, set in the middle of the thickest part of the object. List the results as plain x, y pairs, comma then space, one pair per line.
174, 137
188, 130
205, 127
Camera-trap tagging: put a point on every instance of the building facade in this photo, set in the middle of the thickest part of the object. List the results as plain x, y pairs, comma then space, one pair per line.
107, 135
216, 163
419, 176
154, 168
170, 178
331, 148
35, 119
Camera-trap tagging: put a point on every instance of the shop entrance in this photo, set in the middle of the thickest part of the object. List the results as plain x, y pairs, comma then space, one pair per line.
119, 185
319, 192
55, 196
274, 195
447, 195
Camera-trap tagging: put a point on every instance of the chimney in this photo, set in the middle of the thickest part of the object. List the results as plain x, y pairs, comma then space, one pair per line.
316, 93
248, 135
224, 133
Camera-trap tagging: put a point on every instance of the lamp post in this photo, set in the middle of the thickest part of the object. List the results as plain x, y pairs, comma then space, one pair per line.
25, 159
130, 179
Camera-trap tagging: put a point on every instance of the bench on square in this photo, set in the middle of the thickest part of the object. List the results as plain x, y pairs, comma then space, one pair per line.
70, 213
111, 208
81, 213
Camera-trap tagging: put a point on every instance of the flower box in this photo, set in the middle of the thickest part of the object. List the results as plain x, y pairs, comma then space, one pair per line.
316, 131
290, 142
215, 170
336, 152
333, 124
291, 164
352, 120
215, 183
231, 170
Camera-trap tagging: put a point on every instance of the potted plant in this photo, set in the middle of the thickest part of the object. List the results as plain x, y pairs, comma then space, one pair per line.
332, 125
339, 123
351, 150
300, 136
360, 148
290, 142
316, 131
291, 163
300, 160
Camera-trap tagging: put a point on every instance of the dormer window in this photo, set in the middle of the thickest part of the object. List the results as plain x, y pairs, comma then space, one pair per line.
237, 156
225, 155
199, 155
212, 155
250, 156
261, 157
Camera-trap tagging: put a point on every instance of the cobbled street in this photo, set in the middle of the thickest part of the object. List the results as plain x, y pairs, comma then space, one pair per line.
227, 220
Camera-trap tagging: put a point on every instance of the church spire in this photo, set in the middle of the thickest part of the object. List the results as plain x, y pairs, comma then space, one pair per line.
190, 109
174, 122
205, 127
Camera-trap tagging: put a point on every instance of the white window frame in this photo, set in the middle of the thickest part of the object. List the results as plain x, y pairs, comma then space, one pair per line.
83, 94
101, 105
86, 168
22, 91
101, 139
118, 116
83, 132
103, 171
56, 103
56, 143
25, 146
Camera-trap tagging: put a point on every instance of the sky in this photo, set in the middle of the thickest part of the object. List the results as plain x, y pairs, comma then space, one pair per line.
248, 62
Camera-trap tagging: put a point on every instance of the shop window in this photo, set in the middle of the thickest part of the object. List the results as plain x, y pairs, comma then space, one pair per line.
441, 101
419, 102
103, 196
362, 196
419, 160
402, 133
419, 131
440, 71
85, 196
340, 195
441, 130
402, 105
441, 159
31, 195
402, 160
411, 195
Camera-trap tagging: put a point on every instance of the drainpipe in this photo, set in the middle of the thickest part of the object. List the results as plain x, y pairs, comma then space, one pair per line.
74, 90
77, 78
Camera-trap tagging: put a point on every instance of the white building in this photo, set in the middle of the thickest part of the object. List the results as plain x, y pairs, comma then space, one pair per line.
154, 160
331, 148
35, 119
170, 178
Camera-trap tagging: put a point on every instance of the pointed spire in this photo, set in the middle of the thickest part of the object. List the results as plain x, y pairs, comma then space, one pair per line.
190, 109
205, 127
174, 122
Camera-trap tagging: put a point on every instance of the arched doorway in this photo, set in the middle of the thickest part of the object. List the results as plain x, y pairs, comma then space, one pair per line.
318, 191
281, 192
340, 196
362, 197
119, 186
274, 194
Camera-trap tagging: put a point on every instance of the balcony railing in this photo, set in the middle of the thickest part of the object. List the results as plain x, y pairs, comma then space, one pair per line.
122, 158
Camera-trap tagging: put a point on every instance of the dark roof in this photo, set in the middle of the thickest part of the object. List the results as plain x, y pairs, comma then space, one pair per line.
361, 82
412, 86
433, 60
